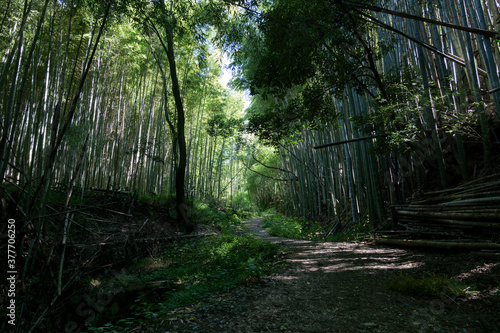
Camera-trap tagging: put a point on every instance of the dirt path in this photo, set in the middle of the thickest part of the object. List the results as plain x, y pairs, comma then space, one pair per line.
342, 287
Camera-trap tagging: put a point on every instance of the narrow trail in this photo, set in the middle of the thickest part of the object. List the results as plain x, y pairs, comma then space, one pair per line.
332, 287
341, 287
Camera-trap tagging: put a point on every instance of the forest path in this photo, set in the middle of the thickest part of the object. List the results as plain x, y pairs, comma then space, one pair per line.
340, 287
333, 287
343, 287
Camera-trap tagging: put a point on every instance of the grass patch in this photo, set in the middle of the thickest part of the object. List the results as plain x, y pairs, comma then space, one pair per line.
300, 228
209, 264
431, 286
201, 266
223, 218
190, 269
291, 227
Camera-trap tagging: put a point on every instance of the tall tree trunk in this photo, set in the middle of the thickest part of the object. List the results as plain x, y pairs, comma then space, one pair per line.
180, 176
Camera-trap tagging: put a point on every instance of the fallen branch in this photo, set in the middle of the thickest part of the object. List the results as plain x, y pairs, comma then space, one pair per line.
349, 141
110, 191
104, 221
117, 212
143, 225
487, 254
73, 210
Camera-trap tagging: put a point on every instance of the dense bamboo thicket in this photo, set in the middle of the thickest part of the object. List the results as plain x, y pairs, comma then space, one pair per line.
356, 106
65, 82
107, 97
101, 95
432, 123
88, 103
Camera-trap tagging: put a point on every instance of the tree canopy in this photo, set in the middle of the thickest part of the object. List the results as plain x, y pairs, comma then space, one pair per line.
354, 107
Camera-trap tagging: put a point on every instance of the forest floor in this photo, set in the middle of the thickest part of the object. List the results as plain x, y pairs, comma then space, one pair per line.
343, 287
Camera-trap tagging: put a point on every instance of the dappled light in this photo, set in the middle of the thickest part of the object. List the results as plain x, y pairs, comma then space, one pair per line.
485, 268
250, 166
359, 257
345, 280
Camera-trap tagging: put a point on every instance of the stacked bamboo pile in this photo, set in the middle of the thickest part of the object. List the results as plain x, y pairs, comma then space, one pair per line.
465, 217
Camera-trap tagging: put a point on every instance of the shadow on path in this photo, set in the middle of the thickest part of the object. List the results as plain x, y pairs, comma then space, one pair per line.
342, 287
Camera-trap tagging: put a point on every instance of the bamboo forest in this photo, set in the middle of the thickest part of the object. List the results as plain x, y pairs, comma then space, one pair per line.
250, 165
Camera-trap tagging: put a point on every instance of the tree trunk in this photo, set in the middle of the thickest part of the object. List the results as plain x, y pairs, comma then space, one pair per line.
180, 176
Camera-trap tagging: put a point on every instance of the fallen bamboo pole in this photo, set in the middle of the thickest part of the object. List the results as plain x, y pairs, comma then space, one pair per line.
445, 209
487, 201
438, 244
470, 184
488, 254
451, 215
481, 195
349, 141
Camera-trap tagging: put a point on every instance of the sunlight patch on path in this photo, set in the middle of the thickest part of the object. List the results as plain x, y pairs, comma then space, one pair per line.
335, 256
341, 281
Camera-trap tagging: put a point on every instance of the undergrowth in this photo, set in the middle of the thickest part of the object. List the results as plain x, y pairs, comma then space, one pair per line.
217, 215
360, 231
430, 286
291, 227
193, 268
301, 228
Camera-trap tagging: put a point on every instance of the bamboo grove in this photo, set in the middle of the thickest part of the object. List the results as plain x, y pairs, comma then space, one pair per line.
87, 102
423, 115
356, 105
119, 133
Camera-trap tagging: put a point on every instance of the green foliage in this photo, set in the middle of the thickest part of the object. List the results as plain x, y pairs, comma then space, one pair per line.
296, 57
291, 227
277, 120
162, 199
201, 266
434, 285
298, 40
279, 225
221, 125
263, 188
359, 231
216, 214
399, 110
301, 228
402, 116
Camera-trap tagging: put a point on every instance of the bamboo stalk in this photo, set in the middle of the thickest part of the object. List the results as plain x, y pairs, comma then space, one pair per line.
444, 209
461, 198
477, 215
67, 225
439, 244
349, 141
484, 201
483, 32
